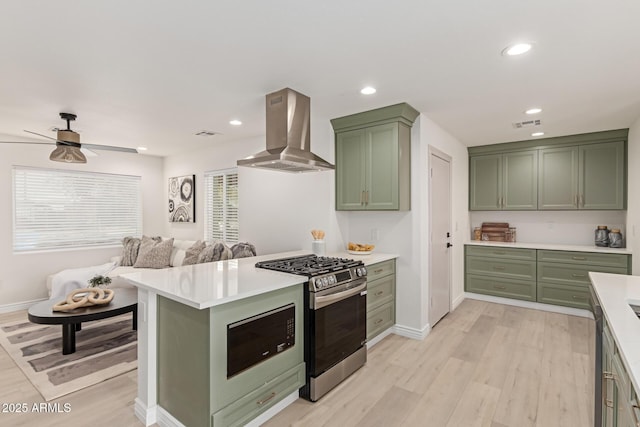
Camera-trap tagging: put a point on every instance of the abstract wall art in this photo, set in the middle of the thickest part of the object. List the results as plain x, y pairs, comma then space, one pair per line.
182, 198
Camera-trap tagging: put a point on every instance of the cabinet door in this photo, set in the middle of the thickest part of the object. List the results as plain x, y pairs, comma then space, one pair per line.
601, 179
520, 180
558, 178
485, 183
350, 170
381, 175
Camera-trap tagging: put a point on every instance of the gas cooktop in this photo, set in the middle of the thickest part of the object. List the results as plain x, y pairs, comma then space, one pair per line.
309, 265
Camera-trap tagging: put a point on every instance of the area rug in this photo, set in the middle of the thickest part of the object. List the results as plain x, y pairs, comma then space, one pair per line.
104, 349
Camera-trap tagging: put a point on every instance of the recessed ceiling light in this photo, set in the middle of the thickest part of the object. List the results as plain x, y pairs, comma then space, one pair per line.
537, 134
235, 122
533, 111
368, 90
517, 49
142, 148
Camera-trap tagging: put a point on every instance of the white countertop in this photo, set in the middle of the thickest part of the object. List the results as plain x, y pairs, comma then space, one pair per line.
615, 292
207, 285
552, 247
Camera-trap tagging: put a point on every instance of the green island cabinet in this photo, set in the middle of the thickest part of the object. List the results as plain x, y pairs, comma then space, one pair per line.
619, 397
373, 159
547, 276
192, 362
586, 171
381, 300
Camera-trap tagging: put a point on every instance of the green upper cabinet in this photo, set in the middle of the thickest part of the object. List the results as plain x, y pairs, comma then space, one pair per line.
373, 159
586, 171
503, 181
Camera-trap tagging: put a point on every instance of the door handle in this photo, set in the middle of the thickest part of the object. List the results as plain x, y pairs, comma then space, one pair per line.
449, 244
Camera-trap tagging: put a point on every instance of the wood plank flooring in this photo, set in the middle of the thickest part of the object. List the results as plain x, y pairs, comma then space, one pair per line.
484, 364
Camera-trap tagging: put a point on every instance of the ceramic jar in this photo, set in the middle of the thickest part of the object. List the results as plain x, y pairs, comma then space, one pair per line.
602, 236
615, 238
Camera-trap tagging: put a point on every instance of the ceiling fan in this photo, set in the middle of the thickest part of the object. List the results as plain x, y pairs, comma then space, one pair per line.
68, 147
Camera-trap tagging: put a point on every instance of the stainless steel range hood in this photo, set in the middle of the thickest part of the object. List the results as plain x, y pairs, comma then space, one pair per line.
288, 136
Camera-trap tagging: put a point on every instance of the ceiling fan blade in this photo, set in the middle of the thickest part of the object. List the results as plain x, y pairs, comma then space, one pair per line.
27, 142
39, 134
110, 148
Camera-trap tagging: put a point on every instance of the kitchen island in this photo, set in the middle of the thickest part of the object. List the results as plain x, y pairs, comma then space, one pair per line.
182, 341
620, 347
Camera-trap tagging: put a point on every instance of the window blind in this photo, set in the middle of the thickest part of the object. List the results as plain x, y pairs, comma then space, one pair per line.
56, 209
221, 205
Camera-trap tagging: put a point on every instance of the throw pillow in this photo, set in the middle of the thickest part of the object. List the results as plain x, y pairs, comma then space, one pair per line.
243, 249
154, 254
193, 253
216, 251
130, 247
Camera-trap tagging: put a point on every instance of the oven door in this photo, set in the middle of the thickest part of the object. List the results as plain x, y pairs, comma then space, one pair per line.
338, 325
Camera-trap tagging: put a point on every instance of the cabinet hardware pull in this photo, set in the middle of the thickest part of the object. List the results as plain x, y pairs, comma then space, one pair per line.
577, 297
377, 322
379, 270
362, 198
608, 403
578, 275
499, 252
635, 417
366, 198
498, 267
607, 375
578, 258
377, 294
266, 399
499, 287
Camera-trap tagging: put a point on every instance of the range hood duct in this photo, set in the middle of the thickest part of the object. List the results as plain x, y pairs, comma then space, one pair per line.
288, 136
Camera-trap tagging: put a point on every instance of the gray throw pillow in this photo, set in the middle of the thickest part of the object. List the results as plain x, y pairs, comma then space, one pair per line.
216, 251
243, 249
193, 253
130, 247
154, 254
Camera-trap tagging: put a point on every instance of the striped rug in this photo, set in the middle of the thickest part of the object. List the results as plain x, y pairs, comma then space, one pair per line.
104, 349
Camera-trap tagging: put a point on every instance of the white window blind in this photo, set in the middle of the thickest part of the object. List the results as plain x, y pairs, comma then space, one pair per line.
56, 209
221, 206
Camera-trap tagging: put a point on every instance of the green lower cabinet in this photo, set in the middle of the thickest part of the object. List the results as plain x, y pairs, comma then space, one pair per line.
576, 296
257, 401
501, 287
381, 297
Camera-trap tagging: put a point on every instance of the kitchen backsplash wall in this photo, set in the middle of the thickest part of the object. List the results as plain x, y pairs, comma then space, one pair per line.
563, 227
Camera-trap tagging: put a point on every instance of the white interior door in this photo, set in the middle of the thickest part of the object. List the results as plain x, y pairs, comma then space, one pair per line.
440, 231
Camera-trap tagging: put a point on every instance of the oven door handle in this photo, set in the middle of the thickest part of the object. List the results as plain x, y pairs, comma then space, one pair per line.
323, 301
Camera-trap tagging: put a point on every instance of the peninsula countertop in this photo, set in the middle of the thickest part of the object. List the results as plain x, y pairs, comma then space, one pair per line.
616, 292
551, 247
210, 284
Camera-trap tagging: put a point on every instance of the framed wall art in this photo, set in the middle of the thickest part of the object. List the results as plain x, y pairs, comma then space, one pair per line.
182, 198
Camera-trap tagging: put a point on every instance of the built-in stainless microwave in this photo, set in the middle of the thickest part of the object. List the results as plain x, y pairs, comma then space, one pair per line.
259, 337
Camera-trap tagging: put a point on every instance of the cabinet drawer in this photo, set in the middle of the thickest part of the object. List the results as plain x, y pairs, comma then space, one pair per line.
501, 252
380, 319
568, 295
561, 273
588, 258
507, 288
380, 292
252, 404
506, 268
380, 269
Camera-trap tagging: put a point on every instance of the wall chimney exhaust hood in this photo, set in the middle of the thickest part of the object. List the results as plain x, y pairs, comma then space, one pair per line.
288, 136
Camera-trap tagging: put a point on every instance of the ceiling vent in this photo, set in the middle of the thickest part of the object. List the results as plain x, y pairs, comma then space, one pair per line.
527, 124
207, 133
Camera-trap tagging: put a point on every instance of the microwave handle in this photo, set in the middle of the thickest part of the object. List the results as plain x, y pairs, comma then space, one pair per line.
323, 301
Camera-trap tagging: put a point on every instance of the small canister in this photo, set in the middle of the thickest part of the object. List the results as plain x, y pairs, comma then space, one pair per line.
615, 238
602, 236
477, 233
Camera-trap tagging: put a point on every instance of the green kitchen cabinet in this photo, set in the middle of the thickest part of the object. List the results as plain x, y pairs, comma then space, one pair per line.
582, 177
381, 299
504, 181
373, 159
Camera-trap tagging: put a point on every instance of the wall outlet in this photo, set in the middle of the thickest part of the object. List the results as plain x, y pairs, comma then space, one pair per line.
374, 234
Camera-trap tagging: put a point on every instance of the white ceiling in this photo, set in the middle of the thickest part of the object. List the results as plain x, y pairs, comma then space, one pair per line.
153, 73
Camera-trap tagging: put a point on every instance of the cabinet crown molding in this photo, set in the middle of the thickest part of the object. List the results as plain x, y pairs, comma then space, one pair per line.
403, 113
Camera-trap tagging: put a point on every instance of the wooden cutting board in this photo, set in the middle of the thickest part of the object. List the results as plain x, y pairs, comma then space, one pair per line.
494, 231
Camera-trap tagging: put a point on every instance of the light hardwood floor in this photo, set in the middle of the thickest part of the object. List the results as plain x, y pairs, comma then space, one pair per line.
483, 365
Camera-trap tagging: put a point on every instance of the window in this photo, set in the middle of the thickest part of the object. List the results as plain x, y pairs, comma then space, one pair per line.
56, 209
221, 206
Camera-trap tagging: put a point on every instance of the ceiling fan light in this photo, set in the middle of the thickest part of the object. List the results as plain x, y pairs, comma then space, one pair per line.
67, 155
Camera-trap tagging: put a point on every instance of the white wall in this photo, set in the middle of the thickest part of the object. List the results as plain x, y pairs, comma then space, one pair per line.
633, 194
22, 276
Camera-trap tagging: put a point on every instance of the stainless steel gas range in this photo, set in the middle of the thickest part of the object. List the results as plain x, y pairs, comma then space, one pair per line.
335, 318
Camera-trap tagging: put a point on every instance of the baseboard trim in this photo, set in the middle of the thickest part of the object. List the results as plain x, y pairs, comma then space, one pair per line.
165, 419
382, 335
529, 304
413, 333
456, 302
8, 308
148, 415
